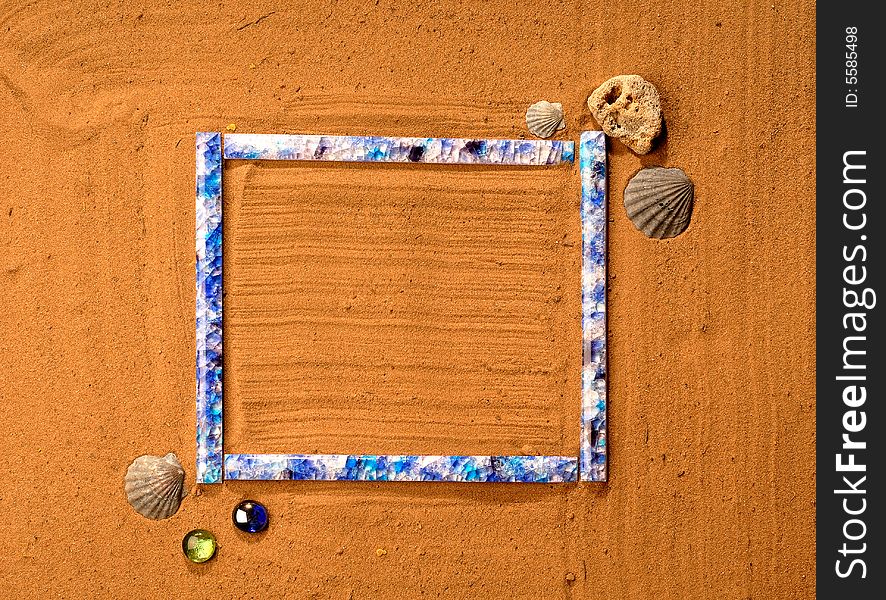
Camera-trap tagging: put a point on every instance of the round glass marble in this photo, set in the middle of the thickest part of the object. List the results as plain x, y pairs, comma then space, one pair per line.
250, 516
199, 545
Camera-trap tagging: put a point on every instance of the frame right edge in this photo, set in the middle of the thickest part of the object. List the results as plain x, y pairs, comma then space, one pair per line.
592, 166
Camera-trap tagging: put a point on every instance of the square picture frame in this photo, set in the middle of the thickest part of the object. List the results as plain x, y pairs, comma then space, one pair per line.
215, 466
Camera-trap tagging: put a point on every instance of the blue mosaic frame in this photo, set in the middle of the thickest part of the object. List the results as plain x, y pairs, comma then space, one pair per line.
213, 465
368, 467
592, 165
209, 308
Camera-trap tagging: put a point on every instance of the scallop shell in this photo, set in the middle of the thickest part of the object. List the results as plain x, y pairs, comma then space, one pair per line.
155, 485
659, 201
545, 118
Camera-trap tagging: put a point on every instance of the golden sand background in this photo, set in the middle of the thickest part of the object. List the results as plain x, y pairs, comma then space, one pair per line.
711, 334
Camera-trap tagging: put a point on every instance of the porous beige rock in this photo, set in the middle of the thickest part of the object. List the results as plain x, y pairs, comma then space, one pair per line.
628, 108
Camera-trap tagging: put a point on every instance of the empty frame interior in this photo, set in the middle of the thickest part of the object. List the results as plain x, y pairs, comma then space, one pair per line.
400, 309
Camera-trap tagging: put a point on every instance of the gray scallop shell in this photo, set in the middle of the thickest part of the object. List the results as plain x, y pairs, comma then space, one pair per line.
155, 485
659, 201
545, 118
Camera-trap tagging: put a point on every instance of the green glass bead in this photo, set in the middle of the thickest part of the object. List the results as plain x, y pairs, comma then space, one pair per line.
199, 545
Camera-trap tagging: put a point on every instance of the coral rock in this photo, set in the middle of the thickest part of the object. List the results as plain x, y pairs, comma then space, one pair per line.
628, 107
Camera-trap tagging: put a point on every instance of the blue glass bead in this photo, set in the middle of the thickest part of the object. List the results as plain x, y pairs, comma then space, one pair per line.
250, 516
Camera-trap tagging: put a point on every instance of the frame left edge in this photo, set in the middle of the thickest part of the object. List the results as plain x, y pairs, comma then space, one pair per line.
209, 306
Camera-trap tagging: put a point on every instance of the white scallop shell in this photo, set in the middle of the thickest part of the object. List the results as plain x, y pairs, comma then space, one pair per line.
155, 485
659, 201
545, 118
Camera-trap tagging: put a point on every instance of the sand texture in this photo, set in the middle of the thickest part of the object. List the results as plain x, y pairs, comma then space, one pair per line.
441, 301
423, 312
